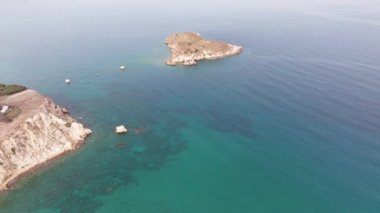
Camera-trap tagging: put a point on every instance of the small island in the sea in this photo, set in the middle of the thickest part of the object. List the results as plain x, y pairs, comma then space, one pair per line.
33, 130
188, 47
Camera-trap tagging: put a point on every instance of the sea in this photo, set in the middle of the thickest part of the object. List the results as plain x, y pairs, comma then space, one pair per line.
291, 125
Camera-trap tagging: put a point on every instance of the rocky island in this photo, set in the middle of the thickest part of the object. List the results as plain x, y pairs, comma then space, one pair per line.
33, 130
188, 47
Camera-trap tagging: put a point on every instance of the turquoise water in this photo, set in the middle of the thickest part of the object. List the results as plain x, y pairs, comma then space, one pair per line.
291, 125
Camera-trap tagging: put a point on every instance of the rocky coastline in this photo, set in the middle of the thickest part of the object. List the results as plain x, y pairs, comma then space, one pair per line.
188, 47
39, 131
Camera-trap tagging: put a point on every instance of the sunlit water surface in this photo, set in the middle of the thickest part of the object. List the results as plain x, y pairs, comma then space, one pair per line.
290, 125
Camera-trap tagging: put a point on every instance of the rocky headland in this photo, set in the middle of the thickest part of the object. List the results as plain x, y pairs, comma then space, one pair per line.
33, 130
188, 47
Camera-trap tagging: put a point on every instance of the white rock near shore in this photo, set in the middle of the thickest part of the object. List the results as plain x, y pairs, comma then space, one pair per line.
188, 47
40, 133
121, 129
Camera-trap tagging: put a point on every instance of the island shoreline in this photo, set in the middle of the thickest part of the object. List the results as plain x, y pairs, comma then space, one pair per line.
187, 48
41, 132
9, 184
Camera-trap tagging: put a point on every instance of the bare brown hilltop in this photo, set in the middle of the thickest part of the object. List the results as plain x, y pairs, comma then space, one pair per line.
33, 130
188, 47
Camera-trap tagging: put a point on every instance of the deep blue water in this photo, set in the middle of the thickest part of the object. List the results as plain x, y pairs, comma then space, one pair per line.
290, 125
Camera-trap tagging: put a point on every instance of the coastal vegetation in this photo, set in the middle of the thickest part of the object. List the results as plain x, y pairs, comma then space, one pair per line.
10, 89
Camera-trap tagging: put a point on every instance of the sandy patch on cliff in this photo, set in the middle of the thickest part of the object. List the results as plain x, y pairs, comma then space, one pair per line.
28, 101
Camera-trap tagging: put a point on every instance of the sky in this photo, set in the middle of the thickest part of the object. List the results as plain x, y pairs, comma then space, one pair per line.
184, 4
22, 9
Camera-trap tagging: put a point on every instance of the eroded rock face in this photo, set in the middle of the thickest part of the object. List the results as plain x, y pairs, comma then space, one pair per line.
39, 133
187, 48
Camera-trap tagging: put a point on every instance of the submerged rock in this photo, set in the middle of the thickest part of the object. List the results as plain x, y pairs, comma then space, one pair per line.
38, 134
120, 145
188, 47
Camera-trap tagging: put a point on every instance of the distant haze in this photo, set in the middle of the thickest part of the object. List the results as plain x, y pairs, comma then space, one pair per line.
188, 4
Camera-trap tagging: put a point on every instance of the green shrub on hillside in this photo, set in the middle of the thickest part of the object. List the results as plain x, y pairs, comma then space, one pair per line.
10, 89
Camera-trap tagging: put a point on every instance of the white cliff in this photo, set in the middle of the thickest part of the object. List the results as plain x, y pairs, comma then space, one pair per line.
187, 48
41, 132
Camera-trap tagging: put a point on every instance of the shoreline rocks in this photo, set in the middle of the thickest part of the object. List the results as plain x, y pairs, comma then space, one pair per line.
65, 111
188, 47
38, 134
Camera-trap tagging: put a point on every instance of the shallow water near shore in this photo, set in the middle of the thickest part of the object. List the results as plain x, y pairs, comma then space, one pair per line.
290, 125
